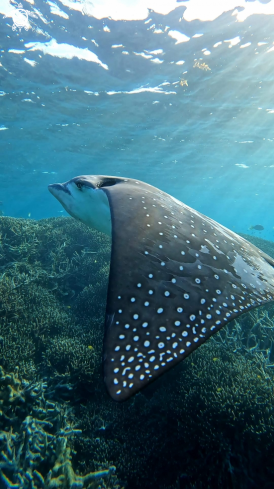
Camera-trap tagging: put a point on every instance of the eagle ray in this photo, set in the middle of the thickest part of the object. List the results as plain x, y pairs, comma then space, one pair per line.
176, 276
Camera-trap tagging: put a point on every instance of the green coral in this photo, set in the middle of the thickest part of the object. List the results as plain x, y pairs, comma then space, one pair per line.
207, 423
211, 419
72, 356
47, 269
63, 476
45, 266
36, 448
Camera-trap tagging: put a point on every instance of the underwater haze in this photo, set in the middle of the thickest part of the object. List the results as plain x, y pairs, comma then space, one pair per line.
177, 94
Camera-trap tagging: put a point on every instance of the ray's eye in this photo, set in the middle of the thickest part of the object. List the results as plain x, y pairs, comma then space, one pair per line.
107, 183
79, 185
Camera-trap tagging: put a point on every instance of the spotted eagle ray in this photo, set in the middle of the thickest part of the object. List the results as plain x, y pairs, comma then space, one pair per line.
176, 276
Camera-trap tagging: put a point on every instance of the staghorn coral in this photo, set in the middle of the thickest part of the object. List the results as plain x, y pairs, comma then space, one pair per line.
61, 255
36, 451
62, 475
31, 313
74, 356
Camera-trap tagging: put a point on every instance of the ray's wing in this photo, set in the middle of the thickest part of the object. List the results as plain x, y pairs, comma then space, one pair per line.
176, 278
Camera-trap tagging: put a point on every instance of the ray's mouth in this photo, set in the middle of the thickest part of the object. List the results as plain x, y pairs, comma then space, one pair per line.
55, 188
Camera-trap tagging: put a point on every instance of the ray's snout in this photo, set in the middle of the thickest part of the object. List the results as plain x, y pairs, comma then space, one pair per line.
54, 188
59, 190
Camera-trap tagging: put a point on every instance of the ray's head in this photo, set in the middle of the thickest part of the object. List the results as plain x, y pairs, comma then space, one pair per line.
84, 199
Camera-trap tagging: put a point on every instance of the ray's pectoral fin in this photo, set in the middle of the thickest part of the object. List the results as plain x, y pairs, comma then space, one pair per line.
176, 278
267, 258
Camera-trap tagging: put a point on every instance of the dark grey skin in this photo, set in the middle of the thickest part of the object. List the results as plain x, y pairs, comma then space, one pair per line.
176, 276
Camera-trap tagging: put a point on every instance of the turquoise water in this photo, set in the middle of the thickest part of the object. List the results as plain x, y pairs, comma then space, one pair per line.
122, 110
179, 95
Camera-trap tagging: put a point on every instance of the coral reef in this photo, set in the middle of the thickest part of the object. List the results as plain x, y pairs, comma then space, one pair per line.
211, 419
36, 440
208, 423
44, 267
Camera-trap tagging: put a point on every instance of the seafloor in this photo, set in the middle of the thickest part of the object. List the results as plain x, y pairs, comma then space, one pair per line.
208, 423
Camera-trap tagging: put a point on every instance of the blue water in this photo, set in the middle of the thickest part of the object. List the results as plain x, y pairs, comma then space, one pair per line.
122, 110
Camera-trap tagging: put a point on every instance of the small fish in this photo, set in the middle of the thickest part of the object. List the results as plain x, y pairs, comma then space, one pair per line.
258, 227
29, 214
201, 66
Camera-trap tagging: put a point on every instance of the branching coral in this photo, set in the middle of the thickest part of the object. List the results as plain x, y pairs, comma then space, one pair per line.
210, 419
36, 450
75, 356
63, 476
46, 267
